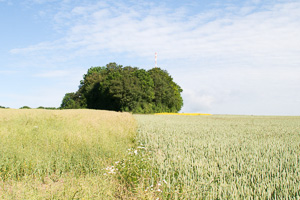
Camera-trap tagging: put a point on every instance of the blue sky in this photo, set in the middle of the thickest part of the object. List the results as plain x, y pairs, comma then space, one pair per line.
229, 56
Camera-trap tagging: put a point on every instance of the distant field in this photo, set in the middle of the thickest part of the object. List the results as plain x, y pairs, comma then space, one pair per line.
222, 157
190, 114
62, 154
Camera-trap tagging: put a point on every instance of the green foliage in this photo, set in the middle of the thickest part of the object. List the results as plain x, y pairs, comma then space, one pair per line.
71, 101
25, 107
46, 108
138, 174
129, 89
167, 92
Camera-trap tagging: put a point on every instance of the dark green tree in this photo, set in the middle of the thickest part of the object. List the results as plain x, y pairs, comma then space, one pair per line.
25, 107
131, 89
71, 101
167, 92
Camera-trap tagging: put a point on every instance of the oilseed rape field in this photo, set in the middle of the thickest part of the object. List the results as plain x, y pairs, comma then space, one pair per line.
92, 154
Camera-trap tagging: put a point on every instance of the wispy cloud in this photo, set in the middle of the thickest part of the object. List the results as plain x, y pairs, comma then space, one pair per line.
8, 72
267, 36
52, 74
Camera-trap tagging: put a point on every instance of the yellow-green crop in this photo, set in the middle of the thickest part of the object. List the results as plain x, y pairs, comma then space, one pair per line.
190, 114
61, 154
222, 157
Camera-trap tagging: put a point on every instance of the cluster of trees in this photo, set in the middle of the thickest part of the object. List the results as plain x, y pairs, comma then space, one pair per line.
47, 108
130, 89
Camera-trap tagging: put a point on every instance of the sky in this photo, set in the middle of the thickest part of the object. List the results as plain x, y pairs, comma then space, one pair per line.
229, 56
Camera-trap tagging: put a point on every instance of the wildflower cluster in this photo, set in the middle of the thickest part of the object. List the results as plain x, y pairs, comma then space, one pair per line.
158, 187
110, 170
137, 171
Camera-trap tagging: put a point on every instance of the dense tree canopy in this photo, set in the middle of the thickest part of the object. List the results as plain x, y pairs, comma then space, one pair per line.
119, 88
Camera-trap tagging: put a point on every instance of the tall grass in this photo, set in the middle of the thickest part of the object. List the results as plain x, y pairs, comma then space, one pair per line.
222, 157
61, 154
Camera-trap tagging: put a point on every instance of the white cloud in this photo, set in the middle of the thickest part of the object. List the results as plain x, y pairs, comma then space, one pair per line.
196, 101
69, 75
51, 74
266, 37
8, 72
242, 90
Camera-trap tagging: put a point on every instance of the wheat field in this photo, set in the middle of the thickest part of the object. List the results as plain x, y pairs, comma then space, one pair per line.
222, 157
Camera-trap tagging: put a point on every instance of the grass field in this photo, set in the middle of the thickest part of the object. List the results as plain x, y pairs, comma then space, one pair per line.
62, 154
89, 154
223, 157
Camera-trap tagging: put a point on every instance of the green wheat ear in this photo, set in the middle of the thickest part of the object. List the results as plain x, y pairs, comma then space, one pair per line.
222, 157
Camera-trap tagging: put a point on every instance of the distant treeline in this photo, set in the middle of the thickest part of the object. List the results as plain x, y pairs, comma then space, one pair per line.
27, 107
130, 89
